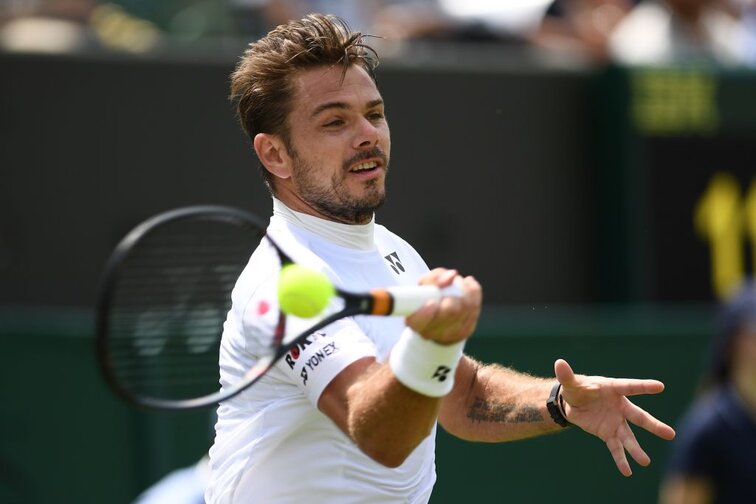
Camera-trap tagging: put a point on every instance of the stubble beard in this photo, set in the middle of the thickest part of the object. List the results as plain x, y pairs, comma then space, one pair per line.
333, 200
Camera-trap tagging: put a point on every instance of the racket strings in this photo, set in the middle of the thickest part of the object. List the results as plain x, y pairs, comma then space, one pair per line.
168, 307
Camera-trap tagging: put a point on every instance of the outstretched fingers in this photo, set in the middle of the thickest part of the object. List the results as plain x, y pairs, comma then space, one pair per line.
634, 387
645, 420
632, 446
601, 407
624, 442
618, 454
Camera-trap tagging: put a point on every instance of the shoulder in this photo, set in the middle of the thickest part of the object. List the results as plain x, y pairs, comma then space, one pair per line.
397, 251
298, 244
385, 238
260, 275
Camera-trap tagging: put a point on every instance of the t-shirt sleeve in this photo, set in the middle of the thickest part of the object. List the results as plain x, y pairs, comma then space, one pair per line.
313, 363
324, 354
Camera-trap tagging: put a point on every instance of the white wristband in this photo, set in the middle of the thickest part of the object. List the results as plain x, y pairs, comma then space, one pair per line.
423, 365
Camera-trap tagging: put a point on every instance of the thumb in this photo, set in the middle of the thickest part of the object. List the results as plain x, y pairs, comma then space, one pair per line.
564, 373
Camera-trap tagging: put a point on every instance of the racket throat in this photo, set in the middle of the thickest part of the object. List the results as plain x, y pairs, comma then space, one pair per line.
381, 302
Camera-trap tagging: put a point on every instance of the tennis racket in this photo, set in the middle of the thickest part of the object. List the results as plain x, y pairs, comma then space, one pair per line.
164, 295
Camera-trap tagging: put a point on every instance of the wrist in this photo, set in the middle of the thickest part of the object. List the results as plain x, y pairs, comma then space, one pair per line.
555, 406
423, 365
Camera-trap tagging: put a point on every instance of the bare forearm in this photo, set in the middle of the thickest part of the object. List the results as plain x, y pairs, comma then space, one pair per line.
389, 418
493, 403
384, 418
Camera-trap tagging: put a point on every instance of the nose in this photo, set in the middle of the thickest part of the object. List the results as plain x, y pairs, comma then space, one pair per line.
367, 135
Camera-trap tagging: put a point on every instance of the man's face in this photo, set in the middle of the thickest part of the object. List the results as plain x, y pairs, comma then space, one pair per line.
339, 143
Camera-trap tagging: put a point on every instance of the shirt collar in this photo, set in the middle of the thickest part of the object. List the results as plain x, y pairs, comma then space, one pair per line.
356, 236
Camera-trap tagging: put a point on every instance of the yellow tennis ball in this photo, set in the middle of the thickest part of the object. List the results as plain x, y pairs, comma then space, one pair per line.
303, 292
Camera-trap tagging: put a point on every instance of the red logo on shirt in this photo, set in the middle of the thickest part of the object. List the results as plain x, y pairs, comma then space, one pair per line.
295, 352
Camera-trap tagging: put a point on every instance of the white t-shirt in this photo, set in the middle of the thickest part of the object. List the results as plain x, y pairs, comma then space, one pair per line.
272, 444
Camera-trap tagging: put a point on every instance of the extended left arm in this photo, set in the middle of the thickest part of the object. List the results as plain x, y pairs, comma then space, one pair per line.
493, 403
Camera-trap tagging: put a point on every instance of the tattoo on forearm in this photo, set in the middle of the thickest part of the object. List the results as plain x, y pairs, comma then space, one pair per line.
488, 411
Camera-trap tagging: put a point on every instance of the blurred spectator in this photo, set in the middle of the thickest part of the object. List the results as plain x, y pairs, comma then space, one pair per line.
46, 26
59, 26
182, 486
581, 27
712, 457
746, 9
185, 485
461, 20
665, 32
359, 15
142, 25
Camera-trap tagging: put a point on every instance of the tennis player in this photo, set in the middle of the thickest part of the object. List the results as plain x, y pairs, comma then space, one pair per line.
350, 416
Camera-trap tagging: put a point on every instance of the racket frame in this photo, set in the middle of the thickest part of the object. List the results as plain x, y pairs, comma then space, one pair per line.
110, 277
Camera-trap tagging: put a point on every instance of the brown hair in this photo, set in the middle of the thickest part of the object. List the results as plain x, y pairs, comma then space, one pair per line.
262, 81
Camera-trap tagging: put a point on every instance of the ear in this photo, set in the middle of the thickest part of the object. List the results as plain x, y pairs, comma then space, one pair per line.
273, 155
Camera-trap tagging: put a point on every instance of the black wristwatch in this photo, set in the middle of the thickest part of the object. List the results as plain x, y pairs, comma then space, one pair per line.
555, 405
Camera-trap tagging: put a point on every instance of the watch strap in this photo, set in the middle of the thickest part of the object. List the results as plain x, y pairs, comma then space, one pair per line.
555, 405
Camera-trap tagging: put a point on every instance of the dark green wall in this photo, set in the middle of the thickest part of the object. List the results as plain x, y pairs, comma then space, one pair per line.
66, 438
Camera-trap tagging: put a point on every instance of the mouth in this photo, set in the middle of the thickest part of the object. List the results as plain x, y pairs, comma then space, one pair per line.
364, 167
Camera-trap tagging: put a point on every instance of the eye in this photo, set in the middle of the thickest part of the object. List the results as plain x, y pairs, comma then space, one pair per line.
334, 123
375, 116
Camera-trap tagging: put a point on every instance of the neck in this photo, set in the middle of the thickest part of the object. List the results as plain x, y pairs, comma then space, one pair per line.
356, 236
292, 199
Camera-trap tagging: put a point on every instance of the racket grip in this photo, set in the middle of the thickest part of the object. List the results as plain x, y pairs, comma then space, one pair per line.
409, 298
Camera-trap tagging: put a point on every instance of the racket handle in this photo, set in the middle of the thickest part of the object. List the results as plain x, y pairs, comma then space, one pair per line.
407, 299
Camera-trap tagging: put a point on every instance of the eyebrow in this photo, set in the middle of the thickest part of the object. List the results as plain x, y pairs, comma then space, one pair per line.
342, 106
